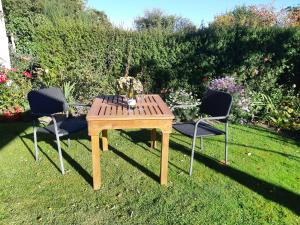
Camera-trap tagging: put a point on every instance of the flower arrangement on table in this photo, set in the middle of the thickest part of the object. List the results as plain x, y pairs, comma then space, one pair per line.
130, 87
124, 85
14, 86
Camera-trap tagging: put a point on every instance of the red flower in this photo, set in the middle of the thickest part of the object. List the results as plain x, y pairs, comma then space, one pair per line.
3, 77
204, 79
7, 114
27, 74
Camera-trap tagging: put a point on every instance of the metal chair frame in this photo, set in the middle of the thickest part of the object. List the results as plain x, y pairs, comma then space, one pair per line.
36, 117
197, 123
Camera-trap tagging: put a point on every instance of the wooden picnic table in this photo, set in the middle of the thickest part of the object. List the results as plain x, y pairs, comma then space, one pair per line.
112, 112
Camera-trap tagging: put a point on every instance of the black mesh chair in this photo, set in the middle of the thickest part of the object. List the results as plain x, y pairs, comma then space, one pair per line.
49, 102
217, 105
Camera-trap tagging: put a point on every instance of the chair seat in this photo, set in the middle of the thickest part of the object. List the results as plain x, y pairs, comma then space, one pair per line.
65, 127
204, 129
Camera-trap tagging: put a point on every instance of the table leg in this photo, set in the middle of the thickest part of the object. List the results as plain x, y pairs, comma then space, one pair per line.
96, 162
164, 159
153, 138
104, 140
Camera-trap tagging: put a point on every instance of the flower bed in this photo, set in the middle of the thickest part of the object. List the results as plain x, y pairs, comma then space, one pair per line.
14, 86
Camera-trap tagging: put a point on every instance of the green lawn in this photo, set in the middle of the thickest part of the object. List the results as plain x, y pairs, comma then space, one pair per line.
258, 188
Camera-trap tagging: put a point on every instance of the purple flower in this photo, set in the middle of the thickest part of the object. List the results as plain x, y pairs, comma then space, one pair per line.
229, 85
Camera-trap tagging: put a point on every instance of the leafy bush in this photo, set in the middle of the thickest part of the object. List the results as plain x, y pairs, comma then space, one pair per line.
93, 55
283, 113
184, 105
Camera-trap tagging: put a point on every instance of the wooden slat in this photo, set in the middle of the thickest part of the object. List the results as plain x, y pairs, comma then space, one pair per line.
151, 110
149, 99
156, 110
125, 110
143, 100
109, 110
146, 99
141, 110
116, 108
157, 105
102, 110
119, 110
147, 111
103, 106
159, 110
136, 111
153, 99
165, 109
95, 107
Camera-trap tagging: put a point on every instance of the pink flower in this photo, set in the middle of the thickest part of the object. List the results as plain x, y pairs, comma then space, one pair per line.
3, 77
7, 114
13, 69
27, 74
18, 109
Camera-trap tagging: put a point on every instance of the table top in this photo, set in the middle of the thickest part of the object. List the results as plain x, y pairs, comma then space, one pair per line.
116, 108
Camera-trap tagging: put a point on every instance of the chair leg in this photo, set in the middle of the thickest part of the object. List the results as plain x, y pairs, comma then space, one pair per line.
192, 156
35, 143
201, 144
69, 142
226, 143
60, 155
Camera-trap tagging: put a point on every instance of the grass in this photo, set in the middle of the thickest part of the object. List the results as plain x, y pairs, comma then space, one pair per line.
260, 186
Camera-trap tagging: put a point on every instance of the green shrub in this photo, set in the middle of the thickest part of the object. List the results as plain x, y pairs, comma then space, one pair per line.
281, 112
93, 55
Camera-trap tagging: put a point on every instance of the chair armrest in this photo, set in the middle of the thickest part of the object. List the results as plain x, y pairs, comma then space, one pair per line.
183, 106
210, 118
37, 121
37, 115
207, 118
80, 104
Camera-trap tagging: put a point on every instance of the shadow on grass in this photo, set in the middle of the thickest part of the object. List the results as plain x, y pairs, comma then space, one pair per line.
293, 157
135, 164
283, 136
11, 130
268, 190
137, 136
143, 136
82, 144
41, 150
86, 176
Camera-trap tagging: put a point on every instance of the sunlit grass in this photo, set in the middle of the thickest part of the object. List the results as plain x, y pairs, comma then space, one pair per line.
260, 186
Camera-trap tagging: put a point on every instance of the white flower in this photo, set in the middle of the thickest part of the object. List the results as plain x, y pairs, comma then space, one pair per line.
9, 83
294, 86
246, 109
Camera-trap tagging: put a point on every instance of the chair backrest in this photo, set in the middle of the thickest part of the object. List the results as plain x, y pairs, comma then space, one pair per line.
47, 101
216, 103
